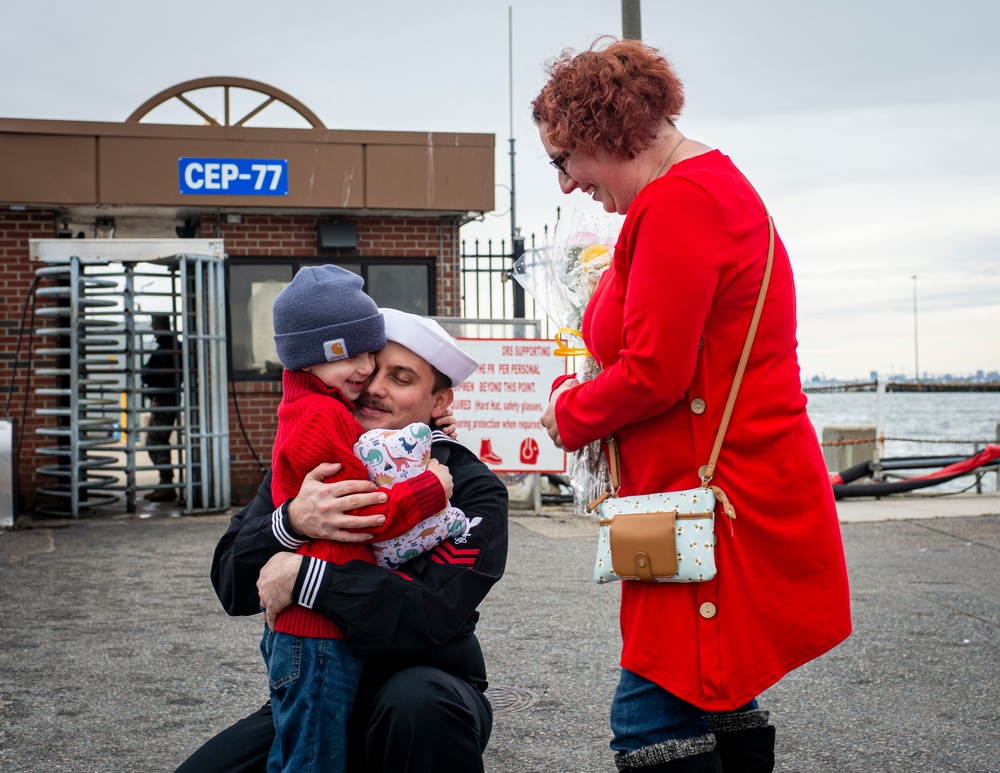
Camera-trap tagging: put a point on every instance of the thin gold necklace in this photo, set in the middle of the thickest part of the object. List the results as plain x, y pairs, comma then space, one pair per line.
667, 161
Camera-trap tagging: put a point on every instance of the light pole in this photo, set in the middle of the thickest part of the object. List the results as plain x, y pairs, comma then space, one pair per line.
916, 351
516, 240
631, 20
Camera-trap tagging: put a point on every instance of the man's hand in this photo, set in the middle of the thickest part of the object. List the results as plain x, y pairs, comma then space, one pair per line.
319, 510
275, 584
443, 475
549, 417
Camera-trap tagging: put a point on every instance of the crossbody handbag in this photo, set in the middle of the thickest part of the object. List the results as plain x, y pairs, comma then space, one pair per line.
670, 537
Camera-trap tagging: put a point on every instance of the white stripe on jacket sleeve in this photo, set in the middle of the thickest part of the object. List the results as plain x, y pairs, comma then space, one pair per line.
314, 578
282, 529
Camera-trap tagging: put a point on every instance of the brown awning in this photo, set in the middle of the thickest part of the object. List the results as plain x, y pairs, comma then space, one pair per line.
70, 163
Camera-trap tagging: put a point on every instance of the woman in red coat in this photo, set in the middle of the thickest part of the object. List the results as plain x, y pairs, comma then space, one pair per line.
667, 324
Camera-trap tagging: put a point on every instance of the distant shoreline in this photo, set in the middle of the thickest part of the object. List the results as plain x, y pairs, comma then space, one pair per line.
903, 386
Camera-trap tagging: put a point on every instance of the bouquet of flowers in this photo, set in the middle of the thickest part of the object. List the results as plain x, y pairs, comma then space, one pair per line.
561, 277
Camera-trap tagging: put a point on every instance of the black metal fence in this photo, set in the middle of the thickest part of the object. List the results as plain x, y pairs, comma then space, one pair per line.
488, 289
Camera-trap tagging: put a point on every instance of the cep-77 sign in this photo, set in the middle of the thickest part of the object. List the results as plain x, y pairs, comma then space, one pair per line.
234, 176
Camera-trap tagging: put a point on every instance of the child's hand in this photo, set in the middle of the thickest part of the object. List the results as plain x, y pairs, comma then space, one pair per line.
443, 475
446, 423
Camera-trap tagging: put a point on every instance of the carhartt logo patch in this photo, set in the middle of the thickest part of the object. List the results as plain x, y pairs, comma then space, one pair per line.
335, 350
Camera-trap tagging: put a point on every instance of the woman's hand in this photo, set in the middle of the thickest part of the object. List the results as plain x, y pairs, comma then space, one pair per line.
319, 510
549, 417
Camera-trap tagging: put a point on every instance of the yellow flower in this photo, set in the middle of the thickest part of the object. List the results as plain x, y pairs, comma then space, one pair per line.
595, 252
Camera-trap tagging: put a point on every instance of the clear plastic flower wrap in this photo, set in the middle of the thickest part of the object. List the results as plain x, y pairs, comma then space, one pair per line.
561, 277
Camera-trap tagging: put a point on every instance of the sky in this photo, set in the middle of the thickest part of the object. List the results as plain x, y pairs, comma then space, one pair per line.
870, 127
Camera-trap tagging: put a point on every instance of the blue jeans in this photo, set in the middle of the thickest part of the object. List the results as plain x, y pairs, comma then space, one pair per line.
644, 714
313, 685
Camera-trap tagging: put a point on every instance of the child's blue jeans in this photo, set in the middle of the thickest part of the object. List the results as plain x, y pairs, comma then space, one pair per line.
313, 685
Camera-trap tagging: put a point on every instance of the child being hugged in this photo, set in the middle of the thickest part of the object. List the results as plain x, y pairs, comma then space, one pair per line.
326, 330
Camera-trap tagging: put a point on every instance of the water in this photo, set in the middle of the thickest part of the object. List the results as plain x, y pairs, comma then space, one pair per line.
958, 417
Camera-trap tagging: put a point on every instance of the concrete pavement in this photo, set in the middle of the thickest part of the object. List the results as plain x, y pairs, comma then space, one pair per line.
917, 506
115, 654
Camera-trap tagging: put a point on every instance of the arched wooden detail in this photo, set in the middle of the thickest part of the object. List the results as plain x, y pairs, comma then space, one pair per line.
269, 93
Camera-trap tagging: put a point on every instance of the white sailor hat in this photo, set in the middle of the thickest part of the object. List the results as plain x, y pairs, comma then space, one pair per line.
426, 338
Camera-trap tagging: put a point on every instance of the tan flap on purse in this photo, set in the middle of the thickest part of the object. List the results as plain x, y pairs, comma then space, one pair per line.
643, 545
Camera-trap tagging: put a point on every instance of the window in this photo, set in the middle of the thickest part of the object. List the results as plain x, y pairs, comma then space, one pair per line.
407, 285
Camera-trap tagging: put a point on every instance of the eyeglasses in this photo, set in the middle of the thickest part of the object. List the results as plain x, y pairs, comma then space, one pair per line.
559, 162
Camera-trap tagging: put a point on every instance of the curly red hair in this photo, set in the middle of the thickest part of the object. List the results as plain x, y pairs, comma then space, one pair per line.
614, 95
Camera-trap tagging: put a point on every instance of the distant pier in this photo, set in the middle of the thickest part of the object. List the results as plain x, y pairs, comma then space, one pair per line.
943, 386
907, 386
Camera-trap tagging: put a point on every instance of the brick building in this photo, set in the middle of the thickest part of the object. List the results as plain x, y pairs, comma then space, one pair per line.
387, 205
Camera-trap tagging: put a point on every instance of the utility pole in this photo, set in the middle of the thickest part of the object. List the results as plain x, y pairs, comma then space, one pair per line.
916, 353
516, 240
631, 20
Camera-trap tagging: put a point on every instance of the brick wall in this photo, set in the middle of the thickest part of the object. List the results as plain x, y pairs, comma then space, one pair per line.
16, 276
254, 405
378, 237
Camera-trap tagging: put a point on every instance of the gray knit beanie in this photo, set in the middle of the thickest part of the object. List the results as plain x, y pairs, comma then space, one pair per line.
322, 315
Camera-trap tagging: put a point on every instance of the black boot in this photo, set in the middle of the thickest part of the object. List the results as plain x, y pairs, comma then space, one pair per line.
687, 755
745, 741
163, 494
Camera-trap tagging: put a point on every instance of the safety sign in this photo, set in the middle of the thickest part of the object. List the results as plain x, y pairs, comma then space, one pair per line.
498, 409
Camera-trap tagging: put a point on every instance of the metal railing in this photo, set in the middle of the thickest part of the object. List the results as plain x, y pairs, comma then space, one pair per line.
488, 289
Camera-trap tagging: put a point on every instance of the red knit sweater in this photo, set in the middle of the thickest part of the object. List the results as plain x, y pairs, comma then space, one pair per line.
315, 425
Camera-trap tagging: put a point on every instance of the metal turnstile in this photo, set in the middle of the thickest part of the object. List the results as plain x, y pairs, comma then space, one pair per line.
97, 338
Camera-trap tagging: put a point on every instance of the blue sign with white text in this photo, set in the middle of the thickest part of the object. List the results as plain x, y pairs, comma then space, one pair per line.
234, 176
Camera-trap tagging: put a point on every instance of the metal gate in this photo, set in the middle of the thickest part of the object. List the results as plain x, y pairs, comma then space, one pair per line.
99, 340
488, 290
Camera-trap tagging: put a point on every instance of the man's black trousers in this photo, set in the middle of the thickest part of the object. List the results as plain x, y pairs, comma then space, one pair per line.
419, 719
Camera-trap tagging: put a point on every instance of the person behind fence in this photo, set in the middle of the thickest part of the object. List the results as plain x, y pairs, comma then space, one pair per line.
421, 705
161, 377
326, 330
667, 323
